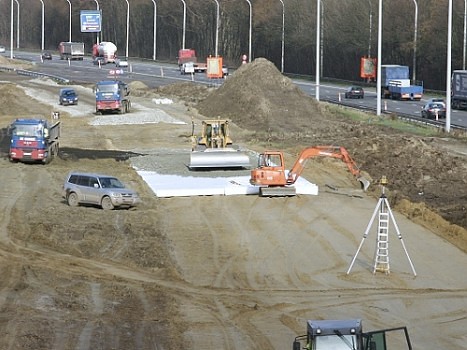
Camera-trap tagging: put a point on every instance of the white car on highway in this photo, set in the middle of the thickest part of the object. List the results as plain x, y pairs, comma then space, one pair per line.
119, 62
2, 49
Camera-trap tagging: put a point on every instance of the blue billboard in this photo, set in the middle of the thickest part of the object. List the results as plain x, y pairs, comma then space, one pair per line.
90, 21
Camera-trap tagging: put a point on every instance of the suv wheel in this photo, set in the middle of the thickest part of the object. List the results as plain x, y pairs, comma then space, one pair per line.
72, 199
106, 203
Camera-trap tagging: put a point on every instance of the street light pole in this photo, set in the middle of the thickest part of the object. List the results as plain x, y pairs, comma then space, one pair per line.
69, 3
217, 27
250, 31
97, 8
127, 26
465, 33
42, 45
184, 23
17, 25
414, 73
378, 74
283, 36
448, 70
11, 30
371, 29
154, 35
318, 37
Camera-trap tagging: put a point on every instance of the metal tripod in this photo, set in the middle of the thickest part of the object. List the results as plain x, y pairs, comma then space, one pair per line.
381, 259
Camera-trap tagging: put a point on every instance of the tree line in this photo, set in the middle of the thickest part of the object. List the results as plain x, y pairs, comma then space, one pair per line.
348, 31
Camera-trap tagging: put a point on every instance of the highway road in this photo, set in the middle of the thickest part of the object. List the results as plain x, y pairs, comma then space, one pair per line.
155, 74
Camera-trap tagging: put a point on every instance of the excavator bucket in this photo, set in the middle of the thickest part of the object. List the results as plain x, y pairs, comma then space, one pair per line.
219, 158
364, 183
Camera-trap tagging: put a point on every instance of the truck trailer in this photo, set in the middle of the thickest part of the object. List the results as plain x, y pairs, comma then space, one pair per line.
459, 89
349, 335
112, 96
71, 50
34, 140
396, 83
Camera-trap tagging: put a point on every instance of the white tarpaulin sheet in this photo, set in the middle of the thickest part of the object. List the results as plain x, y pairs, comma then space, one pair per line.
184, 186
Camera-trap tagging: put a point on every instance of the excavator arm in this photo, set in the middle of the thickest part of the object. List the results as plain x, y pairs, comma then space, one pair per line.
326, 151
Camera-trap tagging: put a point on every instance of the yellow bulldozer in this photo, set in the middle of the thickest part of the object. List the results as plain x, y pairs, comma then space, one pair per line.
214, 148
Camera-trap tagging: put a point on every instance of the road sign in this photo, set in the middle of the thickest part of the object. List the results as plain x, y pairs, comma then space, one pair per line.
90, 21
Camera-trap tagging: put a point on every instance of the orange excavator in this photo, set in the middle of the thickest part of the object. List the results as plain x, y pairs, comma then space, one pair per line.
274, 180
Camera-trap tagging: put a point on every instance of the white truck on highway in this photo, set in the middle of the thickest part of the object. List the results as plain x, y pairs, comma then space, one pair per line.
71, 50
187, 68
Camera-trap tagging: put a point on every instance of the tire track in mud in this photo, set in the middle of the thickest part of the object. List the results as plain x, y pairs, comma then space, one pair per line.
9, 196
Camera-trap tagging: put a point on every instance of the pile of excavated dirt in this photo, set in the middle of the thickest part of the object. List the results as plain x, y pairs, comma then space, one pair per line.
259, 98
272, 111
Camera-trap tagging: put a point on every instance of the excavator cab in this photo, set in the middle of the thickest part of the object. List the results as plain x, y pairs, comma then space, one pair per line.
270, 160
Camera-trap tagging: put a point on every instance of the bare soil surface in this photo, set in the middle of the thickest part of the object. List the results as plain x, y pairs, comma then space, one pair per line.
225, 272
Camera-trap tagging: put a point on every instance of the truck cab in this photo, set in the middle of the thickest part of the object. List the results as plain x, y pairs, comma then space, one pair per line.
112, 96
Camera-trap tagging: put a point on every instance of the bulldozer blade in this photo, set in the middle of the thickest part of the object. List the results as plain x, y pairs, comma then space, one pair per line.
214, 158
364, 183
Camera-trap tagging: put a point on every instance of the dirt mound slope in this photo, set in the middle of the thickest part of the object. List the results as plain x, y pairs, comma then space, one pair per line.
260, 98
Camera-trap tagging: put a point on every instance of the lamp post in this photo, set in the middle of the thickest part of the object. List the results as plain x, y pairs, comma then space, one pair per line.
127, 26
321, 42
283, 35
97, 8
371, 29
465, 33
154, 35
217, 27
17, 25
11, 30
184, 23
448, 70
42, 44
69, 4
414, 72
378, 74
250, 31
318, 35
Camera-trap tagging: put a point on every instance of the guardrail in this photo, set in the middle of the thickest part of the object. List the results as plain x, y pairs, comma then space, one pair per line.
407, 117
31, 73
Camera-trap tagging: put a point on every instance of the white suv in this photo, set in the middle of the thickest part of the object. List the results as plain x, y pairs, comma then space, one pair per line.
103, 190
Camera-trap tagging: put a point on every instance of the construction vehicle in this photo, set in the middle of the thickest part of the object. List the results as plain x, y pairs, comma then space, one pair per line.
187, 68
34, 140
213, 149
349, 335
105, 49
187, 61
396, 83
112, 96
274, 180
71, 50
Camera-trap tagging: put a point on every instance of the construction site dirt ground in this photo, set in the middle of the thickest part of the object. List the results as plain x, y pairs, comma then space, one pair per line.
225, 272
